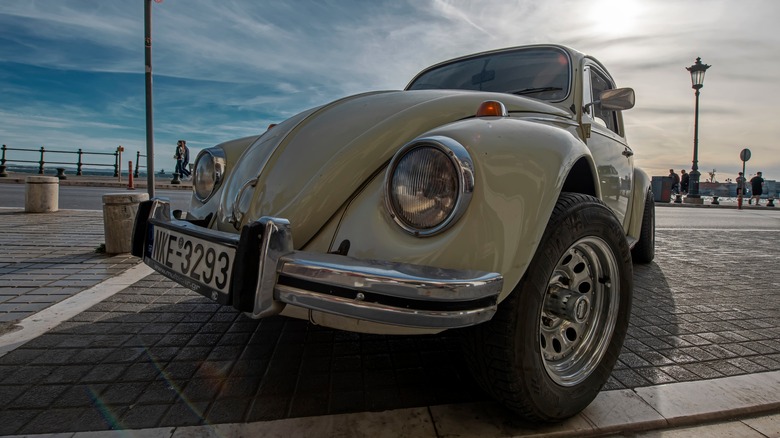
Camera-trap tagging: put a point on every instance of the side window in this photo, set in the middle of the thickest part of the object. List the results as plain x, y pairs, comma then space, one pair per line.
600, 83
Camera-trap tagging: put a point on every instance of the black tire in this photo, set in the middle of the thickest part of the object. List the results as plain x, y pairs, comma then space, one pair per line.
514, 356
644, 250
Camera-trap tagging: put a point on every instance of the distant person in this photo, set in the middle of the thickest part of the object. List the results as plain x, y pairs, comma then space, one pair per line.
182, 156
185, 162
740, 184
684, 180
756, 184
675, 181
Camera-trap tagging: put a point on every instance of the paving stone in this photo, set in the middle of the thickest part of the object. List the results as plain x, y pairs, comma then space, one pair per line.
230, 410
104, 373
74, 420
160, 391
270, 407
39, 396
746, 365
81, 395
12, 420
703, 370
678, 373
202, 389
143, 416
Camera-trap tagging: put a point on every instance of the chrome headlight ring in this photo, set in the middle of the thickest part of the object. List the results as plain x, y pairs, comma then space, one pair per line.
209, 173
428, 185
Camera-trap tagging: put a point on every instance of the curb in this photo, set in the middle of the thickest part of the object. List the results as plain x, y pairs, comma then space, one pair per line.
612, 412
104, 182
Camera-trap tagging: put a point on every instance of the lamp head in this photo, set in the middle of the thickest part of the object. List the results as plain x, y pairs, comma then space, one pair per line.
697, 73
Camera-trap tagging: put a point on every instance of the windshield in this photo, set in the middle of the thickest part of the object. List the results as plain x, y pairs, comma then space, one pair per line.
540, 72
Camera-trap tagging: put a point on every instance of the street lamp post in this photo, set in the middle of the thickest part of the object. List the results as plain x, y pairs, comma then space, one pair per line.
697, 71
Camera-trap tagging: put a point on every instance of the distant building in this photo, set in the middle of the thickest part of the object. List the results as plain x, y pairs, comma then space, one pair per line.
729, 190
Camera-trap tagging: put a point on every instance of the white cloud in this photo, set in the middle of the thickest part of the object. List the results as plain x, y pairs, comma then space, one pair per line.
224, 68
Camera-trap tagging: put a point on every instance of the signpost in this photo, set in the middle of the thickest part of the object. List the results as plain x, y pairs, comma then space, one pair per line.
744, 155
148, 80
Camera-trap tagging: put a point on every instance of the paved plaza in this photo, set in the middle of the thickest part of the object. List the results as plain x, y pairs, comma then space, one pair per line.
156, 355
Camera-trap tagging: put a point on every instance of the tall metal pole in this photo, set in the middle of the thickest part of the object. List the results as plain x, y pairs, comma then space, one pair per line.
697, 71
693, 190
149, 126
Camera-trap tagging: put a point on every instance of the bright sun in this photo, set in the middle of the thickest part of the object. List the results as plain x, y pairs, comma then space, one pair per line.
614, 17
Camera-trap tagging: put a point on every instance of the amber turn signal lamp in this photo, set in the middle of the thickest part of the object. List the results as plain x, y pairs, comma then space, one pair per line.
492, 108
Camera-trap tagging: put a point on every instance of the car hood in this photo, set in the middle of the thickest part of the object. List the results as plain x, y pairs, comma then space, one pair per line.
307, 167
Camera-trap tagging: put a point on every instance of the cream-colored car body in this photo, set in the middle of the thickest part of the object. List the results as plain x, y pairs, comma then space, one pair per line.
324, 171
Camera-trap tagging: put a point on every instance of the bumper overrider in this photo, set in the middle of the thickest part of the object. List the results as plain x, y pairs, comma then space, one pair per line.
259, 272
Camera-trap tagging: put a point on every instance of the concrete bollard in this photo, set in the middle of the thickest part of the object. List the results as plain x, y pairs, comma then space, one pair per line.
41, 194
119, 210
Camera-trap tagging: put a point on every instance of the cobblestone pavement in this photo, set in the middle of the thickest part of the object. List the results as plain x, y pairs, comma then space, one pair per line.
156, 354
46, 258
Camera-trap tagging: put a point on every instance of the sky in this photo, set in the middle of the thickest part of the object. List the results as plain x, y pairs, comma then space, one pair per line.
72, 71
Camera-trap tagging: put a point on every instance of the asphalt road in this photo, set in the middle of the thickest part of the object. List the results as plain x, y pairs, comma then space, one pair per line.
87, 198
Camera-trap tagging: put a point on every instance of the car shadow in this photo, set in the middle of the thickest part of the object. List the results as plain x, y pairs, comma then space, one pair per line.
159, 355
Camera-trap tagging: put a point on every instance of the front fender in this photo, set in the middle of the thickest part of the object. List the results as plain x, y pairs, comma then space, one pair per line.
641, 190
232, 150
520, 166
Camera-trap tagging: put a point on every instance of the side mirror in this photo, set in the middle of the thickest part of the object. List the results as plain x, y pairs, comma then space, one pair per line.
617, 99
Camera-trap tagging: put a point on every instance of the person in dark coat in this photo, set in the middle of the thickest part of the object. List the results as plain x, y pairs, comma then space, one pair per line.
675, 181
182, 157
756, 185
185, 161
684, 180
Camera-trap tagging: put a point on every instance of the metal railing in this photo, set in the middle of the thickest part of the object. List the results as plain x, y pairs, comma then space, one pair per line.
58, 159
138, 163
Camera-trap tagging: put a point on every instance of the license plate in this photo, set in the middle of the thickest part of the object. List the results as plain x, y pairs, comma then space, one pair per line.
198, 264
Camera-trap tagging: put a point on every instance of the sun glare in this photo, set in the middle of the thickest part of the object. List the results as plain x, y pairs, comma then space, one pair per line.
614, 17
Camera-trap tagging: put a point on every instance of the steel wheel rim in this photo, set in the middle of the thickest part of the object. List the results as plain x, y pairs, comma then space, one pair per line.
580, 311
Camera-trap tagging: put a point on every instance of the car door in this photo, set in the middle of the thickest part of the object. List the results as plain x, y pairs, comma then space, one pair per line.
613, 157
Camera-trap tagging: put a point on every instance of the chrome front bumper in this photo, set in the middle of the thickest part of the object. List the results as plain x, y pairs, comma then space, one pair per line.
268, 273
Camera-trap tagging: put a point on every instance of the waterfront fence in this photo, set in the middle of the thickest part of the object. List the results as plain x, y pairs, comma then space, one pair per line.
93, 159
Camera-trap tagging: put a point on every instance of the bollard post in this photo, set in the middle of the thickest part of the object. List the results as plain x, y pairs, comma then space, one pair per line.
3, 173
715, 200
79, 164
41, 194
130, 185
41, 162
118, 163
119, 211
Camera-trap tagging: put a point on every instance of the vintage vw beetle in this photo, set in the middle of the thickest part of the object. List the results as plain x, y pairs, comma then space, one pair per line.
496, 194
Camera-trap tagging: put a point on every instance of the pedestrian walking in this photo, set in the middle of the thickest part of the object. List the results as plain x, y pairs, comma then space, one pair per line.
740, 184
756, 186
182, 156
185, 161
675, 181
684, 180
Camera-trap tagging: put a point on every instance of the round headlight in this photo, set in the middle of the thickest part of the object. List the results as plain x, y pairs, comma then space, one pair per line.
429, 183
209, 171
